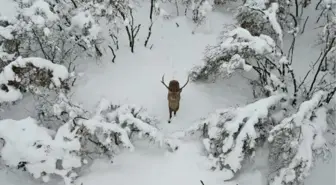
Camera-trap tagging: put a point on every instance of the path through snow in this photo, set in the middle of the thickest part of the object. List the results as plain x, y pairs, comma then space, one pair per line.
153, 167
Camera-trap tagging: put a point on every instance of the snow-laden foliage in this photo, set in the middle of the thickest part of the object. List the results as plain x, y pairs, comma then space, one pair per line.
30, 147
237, 49
230, 136
296, 129
200, 9
76, 137
296, 139
52, 112
261, 17
296, 142
31, 74
42, 152
60, 31
42, 29
135, 120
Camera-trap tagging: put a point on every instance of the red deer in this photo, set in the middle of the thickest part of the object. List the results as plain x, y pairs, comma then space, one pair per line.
174, 96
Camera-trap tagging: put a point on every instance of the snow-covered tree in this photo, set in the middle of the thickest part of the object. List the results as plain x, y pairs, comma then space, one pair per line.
298, 141
231, 136
61, 31
296, 127
238, 50
235, 50
55, 31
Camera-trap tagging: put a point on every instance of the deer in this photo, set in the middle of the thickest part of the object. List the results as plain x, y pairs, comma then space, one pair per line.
174, 95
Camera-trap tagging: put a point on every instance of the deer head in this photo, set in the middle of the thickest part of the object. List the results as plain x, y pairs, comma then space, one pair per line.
174, 85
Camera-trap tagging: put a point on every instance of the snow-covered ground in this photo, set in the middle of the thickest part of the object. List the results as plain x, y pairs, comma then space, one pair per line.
135, 78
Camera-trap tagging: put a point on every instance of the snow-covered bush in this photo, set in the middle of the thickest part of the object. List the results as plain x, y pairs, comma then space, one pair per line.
298, 140
231, 136
43, 152
52, 112
260, 17
31, 148
294, 131
76, 137
237, 49
33, 75
61, 31
135, 120
295, 138
58, 32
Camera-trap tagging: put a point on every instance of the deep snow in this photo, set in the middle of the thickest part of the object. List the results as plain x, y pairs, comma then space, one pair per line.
135, 78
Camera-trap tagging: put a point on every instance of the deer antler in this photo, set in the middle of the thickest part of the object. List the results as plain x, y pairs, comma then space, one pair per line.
162, 81
184, 84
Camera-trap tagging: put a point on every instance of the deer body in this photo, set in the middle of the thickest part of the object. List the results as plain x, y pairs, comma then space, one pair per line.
174, 96
174, 100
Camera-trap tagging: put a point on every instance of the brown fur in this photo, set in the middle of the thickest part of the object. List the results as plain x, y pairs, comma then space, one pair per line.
174, 96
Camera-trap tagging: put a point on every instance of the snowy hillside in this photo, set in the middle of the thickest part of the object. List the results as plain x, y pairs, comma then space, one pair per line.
106, 120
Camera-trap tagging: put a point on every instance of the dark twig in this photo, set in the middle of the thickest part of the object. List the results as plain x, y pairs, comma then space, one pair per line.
114, 55
320, 65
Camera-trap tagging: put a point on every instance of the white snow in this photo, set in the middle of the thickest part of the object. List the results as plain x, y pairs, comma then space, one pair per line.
135, 79
164, 168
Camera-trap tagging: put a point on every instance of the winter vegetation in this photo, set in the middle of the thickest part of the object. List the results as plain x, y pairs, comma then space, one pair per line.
80, 88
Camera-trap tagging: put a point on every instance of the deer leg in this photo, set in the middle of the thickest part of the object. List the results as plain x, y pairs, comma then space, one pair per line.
176, 110
170, 114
